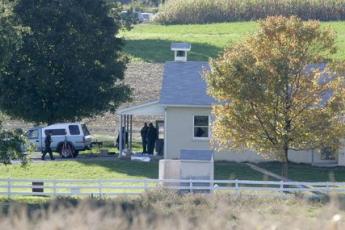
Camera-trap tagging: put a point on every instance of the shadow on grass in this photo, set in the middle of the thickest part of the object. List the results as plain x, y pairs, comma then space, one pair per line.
127, 167
156, 50
306, 172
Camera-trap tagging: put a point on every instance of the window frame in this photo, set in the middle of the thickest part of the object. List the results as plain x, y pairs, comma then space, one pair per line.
70, 133
208, 127
47, 130
331, 156
30, 132
180, 52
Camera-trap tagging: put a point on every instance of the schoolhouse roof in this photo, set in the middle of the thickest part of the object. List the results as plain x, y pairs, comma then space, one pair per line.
183, 84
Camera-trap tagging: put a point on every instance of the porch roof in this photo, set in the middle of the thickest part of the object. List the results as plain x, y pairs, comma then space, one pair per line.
153, 108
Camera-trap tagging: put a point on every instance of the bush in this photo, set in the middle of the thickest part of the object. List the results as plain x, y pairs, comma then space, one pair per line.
211, 11
13, 144
166, 210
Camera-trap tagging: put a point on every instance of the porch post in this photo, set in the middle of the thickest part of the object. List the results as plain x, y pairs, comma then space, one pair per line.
127, 131
120, 136
165, 134
131, 134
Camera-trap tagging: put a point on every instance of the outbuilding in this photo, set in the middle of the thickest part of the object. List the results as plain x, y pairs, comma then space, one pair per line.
185, 109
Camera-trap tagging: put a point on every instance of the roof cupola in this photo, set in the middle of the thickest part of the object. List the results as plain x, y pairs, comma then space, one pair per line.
180, 51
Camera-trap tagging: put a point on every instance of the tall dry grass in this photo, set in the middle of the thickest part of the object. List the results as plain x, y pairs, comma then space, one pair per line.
166, 210
210, 11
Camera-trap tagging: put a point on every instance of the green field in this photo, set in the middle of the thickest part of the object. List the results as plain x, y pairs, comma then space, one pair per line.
151, 43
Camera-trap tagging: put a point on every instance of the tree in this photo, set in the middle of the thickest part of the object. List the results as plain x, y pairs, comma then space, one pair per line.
69, 66
11, 143
12, 146
10, 32
279, 91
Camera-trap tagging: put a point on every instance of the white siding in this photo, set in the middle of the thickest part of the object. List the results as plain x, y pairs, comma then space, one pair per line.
179, 135
179, 126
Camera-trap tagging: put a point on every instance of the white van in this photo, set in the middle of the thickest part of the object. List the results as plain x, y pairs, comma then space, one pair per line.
73, 137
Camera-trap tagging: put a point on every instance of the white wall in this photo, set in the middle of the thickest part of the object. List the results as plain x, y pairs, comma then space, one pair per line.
179, 135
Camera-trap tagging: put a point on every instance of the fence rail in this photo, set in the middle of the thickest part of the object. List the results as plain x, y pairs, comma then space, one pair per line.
22, 187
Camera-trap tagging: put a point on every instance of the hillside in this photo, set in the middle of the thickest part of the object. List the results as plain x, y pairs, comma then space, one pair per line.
144, 78
148, 46
151, 43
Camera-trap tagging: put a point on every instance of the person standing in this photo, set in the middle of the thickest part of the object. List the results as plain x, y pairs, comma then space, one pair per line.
143, 133
151, 138
47, 149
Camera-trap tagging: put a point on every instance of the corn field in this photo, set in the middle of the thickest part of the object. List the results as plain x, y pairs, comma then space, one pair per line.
211, 11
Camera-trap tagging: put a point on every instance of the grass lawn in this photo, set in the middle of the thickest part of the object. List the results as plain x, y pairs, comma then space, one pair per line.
151, 43
304, 172
118, 169
110, 169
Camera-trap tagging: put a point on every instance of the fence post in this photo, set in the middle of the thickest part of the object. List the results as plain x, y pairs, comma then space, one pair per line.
54, 187
9, 185
145, 185
327, 187
100, 188
237, 187
190, 185
281, 186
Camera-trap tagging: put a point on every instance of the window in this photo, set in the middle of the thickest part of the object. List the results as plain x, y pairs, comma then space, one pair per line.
85, 130
201, 126
74, 129
180, 53
33, 134
56, 132
328, 153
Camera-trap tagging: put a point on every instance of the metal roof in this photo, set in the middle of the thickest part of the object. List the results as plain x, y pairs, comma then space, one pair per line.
202, 155
183, 84
180, 46
152, 108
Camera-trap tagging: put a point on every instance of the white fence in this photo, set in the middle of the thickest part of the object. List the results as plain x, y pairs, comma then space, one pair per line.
23, 187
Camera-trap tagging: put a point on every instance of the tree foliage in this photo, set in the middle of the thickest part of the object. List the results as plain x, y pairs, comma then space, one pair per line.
69, 66
278, 90
10, 32
13, 144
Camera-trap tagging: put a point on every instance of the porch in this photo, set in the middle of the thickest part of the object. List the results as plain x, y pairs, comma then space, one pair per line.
153, 111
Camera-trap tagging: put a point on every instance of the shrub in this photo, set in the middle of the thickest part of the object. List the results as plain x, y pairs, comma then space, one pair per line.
165, 210
211, 11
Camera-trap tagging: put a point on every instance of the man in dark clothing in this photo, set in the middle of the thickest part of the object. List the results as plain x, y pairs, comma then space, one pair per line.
143, 133
151, 138
47, 149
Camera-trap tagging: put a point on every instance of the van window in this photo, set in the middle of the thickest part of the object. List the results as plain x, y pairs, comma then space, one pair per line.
56, 132
85, 130
74, 129
33, 134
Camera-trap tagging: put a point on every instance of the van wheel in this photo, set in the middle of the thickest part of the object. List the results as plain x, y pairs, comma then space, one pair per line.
76, 153
66, 150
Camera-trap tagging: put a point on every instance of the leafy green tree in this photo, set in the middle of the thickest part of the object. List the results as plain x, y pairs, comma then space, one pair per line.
13, 144
275, 94
69, 66
10, 32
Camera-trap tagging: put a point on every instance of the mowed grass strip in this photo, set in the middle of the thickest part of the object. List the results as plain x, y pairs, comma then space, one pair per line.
124, 169
304, 172
82, 169
151, 42
114, 169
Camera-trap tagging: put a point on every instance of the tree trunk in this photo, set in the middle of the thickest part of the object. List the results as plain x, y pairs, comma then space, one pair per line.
285, 165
